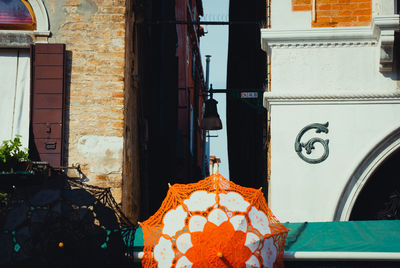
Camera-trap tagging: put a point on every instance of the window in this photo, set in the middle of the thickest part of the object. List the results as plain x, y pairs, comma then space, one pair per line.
16, 15
14, 92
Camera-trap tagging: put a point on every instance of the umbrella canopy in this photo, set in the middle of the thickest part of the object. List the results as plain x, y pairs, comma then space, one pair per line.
213, 223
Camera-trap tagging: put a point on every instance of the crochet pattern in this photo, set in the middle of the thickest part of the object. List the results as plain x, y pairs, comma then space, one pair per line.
213, 223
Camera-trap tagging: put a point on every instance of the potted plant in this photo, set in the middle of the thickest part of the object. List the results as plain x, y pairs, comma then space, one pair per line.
13, 156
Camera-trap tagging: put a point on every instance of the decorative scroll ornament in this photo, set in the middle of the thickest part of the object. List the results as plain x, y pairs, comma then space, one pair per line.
213, 223
309, 145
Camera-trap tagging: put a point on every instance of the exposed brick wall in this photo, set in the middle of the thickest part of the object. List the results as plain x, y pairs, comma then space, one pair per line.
301, 5
337, 13
94, 34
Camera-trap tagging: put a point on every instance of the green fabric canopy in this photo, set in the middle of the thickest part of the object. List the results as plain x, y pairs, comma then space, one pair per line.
362, 238
350, 244
345, 236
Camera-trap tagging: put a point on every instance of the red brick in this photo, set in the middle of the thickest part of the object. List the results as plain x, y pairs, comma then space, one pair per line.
301, 8
362, 12
366, 23
346, 24
364, 18
323, 19
328, 1
344, 6
301, 2
327, 13
365, 5
324, 7
345, 13
344, 19
319, 25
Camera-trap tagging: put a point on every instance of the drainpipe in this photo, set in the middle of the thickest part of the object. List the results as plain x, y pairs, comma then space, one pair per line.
207, 71
206, 147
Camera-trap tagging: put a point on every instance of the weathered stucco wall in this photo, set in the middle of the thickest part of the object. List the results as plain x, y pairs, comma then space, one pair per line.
94, 34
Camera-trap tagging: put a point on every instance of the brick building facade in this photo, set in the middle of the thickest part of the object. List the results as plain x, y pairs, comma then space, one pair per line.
79, 60
95, 79
336, 13
94, 36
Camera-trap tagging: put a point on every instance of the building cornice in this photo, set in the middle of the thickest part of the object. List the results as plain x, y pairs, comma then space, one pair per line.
335, 35
22, 39
272, 37
380, 32
337, 97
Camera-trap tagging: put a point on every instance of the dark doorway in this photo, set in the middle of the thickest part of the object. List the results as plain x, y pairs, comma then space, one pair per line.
380, 197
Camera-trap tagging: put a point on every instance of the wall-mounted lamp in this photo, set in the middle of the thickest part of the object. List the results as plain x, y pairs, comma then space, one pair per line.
211, 120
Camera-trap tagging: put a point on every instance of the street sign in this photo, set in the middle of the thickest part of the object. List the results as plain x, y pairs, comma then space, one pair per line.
249, 95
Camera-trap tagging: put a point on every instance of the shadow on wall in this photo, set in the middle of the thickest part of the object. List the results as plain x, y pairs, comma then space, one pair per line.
58, 221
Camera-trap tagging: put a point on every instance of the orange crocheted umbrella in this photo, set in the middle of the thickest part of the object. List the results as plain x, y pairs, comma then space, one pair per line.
213, 223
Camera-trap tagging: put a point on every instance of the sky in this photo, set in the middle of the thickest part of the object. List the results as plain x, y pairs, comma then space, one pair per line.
215, 43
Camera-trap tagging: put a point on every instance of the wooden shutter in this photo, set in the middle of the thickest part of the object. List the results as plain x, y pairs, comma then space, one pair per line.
48, 86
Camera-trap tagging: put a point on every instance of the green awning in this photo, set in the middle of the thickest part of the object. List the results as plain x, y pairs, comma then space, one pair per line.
344, 236
336, 241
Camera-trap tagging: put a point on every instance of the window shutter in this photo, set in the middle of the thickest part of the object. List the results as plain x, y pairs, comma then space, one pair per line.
48, 91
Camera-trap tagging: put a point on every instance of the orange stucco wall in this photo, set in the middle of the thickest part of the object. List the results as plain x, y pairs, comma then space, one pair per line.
337, 13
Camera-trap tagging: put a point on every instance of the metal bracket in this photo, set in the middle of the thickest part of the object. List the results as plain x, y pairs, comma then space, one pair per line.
51, 145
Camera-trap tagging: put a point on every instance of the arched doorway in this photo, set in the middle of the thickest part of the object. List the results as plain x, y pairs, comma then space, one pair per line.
380, 197
362, 184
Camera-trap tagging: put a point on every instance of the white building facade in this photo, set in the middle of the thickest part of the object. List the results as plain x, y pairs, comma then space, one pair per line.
333, 102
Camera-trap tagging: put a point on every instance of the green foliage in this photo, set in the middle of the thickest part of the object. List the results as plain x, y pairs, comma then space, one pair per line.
12, 150
3, 196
